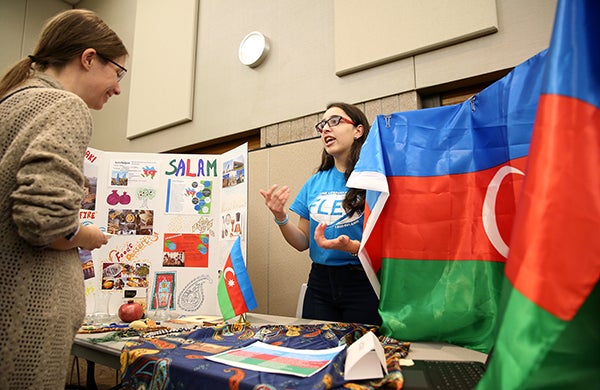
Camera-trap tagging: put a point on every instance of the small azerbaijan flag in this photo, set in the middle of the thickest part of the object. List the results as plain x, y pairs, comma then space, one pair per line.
234, 292
442, 188
549, 336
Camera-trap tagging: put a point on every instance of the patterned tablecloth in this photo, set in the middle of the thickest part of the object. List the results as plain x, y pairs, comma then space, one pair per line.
177, 360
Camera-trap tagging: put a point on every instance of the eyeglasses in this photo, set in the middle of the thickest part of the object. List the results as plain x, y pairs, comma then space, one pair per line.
121, 72
332, 121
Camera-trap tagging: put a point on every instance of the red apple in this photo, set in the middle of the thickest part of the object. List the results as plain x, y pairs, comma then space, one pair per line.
131, 311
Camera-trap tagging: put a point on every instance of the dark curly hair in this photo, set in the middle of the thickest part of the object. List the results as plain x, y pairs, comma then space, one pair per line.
355, 198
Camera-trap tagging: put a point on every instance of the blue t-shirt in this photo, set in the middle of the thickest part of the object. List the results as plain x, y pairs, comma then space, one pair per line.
320, 200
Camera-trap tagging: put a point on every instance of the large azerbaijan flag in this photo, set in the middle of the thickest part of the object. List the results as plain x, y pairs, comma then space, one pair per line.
549, 336
442, 188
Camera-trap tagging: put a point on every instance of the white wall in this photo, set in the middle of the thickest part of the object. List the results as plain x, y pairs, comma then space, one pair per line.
20, 25
296, 80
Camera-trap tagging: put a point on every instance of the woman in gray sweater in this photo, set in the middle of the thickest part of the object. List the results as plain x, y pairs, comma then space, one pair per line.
45, 128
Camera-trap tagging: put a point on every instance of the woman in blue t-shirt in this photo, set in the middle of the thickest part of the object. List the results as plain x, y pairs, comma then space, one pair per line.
331, 223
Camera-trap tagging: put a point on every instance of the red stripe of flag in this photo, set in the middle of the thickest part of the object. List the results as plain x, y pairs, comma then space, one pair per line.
559, 268
440, 218
233, 288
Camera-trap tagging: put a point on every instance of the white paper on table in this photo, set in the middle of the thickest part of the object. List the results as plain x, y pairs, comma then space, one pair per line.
365, 359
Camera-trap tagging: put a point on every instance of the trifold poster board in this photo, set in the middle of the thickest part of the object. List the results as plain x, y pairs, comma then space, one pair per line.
172, 220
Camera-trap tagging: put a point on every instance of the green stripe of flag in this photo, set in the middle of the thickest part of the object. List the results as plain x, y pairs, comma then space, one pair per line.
224, 301
536, 350
454, 301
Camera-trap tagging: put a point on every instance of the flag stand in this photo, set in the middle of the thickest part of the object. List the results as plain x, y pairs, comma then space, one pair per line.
242, 320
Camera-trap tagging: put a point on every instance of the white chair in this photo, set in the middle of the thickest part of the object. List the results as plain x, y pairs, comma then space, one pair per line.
300, 304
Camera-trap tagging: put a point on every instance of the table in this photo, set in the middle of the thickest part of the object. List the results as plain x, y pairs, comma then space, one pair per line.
108, 353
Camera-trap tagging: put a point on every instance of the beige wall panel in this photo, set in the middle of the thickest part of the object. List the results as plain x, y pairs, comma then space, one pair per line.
524, 29
296, 79
290, 165
12, 17
285, 268
390, 29
110, 124
163, 65
20, 26
258, 229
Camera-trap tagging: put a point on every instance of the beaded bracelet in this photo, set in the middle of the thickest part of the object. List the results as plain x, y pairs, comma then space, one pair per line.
283, 222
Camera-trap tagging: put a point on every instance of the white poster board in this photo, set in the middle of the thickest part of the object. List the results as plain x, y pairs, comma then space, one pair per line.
172, 220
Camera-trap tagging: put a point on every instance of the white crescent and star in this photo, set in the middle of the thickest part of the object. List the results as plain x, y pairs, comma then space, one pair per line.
231, 280
490, 224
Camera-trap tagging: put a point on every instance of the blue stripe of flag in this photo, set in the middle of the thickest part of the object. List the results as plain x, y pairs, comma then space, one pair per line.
581, 82
486, 131
241, 274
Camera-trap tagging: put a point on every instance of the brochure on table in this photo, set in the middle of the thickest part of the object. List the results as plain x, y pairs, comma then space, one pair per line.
365, 359
172, 219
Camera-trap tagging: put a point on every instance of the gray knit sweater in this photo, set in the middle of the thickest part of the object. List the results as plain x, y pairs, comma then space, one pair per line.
44, 133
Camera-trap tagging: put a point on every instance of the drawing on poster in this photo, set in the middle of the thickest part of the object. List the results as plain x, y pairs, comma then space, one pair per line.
188, 196
115, 198
233, 172
192, 247
149, 172
116, 276
192, 296
145, 194
189, 223
204, 225
130, 222
163, 293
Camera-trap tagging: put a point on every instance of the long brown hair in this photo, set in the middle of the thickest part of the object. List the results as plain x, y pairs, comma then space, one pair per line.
355, 198
64, 37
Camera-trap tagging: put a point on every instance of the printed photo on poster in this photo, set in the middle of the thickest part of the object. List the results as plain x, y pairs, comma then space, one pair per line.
119, 178
231, 224
173, 259
87, 263
116, 276
89, 193
233, 172
130, 222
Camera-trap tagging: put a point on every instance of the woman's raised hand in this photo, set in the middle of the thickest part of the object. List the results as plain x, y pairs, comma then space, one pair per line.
275, 199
